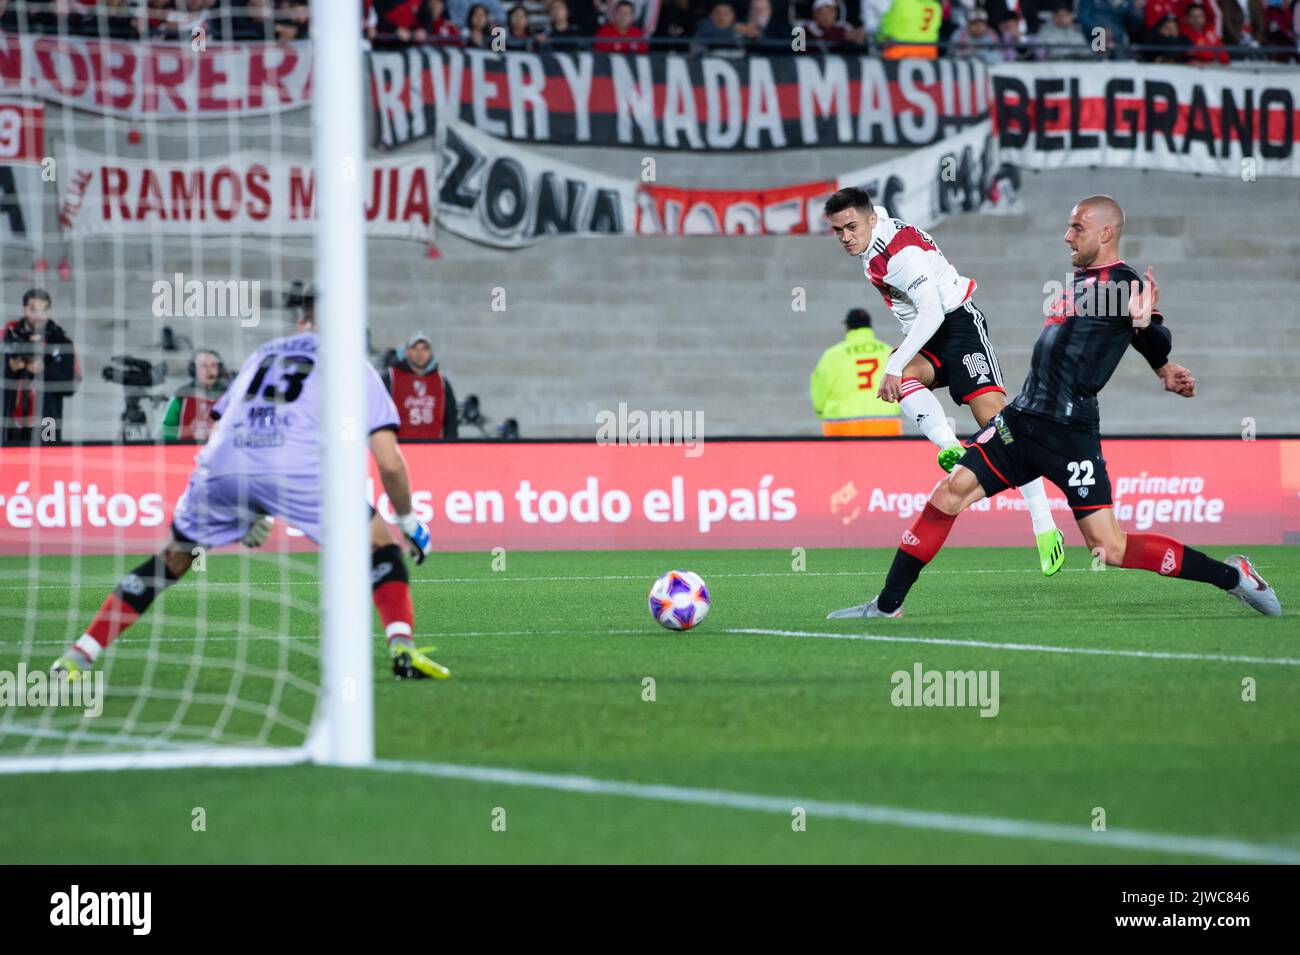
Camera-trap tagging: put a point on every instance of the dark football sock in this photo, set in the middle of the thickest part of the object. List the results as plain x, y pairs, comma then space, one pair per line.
921, 542
903, 572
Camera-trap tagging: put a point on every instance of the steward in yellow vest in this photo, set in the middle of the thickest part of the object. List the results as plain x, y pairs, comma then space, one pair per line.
843, 386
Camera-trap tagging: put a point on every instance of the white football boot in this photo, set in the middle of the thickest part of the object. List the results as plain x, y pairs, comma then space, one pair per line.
1253, 591
868, 609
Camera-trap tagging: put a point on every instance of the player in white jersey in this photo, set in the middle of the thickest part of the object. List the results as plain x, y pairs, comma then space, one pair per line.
263, 460
946, 340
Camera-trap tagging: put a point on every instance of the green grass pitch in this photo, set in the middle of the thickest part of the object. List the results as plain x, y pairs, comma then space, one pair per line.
549, 659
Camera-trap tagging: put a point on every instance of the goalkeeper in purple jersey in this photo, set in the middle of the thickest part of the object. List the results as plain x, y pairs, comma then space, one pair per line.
263, 460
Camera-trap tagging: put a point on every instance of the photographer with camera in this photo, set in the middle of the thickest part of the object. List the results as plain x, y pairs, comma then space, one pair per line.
424, 398
40, 370
189, 414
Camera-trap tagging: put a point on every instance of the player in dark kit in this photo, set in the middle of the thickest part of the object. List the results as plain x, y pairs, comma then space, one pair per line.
1053, 428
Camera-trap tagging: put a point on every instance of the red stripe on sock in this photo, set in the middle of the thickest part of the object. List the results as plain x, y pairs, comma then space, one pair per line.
1154, 552
926, 535
114, 616
393, 601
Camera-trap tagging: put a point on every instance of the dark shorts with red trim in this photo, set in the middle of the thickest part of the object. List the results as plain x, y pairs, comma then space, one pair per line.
962, 355
1018, 446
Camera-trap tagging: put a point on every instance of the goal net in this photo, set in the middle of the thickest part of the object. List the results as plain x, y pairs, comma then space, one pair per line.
164, 204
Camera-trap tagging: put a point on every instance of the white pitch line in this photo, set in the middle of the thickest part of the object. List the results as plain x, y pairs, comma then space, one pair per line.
108, 736
737, 631
1025, 647
506, 578
998, 827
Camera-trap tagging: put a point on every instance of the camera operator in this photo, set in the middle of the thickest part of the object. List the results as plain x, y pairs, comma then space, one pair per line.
189, 414
424, 398
40, 370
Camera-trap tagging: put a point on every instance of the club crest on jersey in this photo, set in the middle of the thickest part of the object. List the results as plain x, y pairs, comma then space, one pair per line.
1061, 308
1169, 563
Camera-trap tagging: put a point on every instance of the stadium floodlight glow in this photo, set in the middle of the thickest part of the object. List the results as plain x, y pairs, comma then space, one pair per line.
252, 659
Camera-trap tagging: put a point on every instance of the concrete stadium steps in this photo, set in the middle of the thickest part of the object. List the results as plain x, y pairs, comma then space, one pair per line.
702, 323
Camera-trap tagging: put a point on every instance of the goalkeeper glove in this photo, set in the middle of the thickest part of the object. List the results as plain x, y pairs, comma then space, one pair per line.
257, 533
417, 535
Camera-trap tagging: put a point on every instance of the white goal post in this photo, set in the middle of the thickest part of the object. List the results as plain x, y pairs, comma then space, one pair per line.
340, 728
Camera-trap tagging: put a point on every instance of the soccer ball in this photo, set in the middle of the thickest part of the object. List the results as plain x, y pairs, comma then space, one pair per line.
679, 600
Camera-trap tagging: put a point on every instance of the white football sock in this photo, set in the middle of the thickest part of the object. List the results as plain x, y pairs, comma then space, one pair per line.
88, 646
1039, 510
920, 404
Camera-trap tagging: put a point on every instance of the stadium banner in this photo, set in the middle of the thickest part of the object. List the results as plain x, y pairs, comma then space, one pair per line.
23, 172
675, 101
1175, 118
503, 195
157, 80
788, 210
963, 173
239, 194
554, 495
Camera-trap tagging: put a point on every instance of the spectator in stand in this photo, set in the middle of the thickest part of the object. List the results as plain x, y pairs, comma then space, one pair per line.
401, 21
292, 20
18, 16
1203, 37
559, 26
766, 30
1168, 36
248, 20
910, 29
518, 35
873, 14
621, 35
1111, 16
1242, 22
1060, 37
478, 31
40, 370
1038, 13
426, 404
1009, 35
441, 30
459, 12
110, 19
176, 19
1279, 30
719, 31
588, 15
189, 414
976, 41
678, 20
826, 28
961, 11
